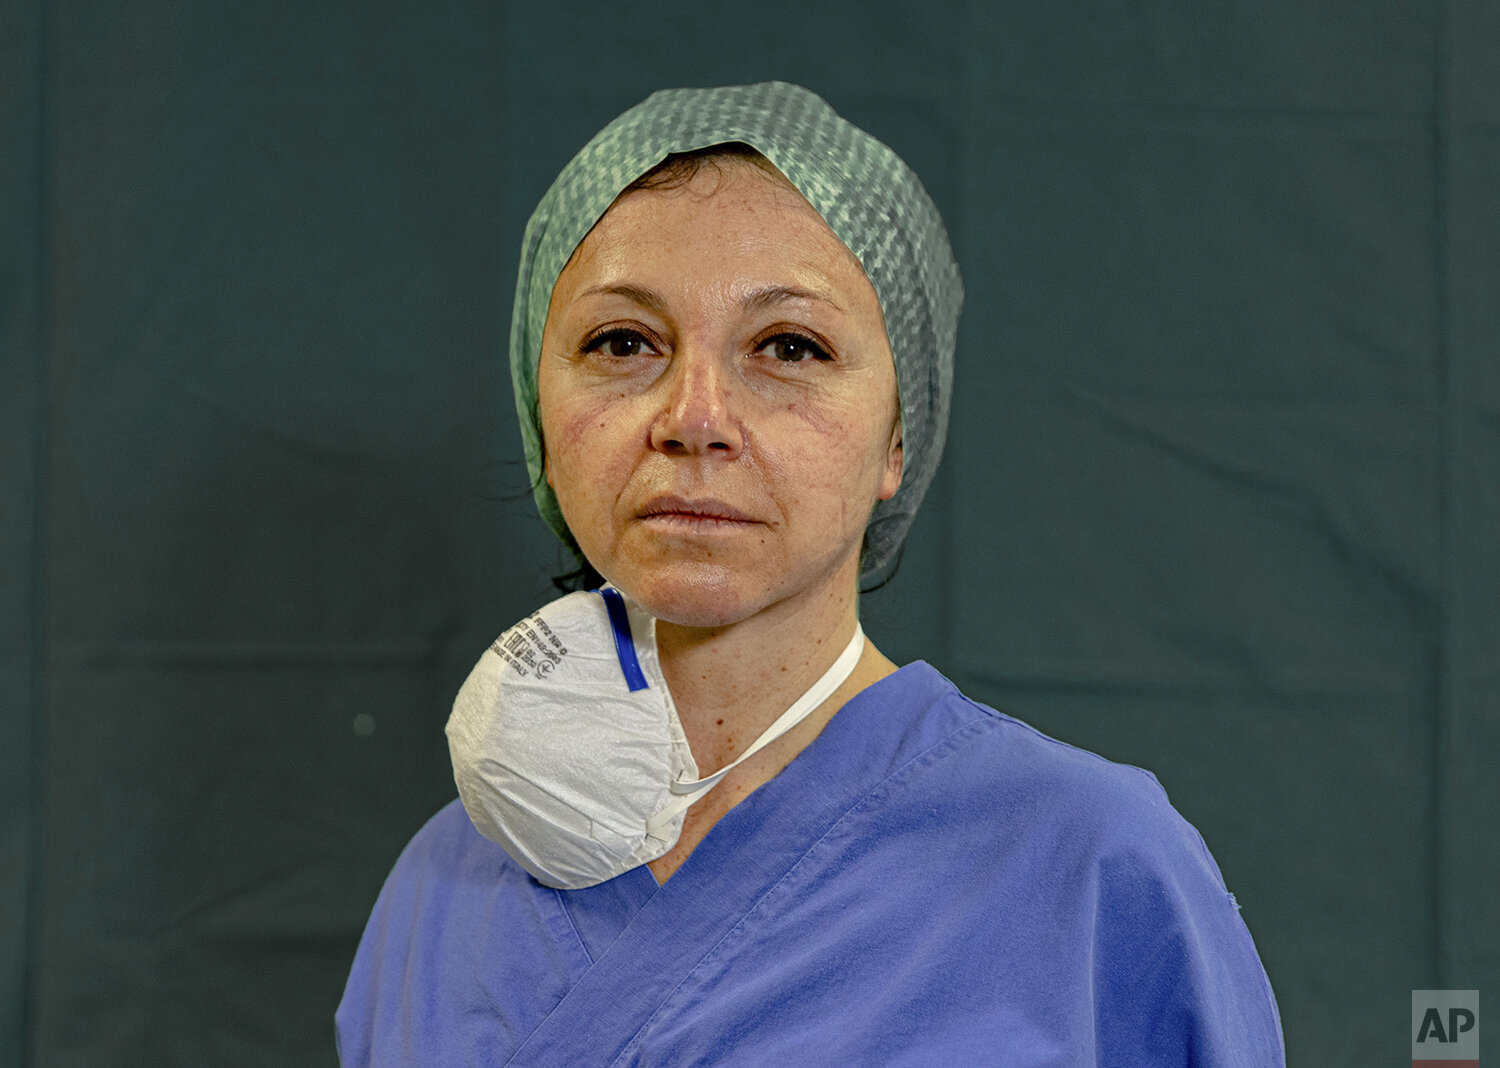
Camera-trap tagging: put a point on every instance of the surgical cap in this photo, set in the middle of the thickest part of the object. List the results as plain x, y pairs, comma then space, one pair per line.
866, 194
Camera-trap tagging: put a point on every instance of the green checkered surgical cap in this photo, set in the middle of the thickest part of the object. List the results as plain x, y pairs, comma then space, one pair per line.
866, 194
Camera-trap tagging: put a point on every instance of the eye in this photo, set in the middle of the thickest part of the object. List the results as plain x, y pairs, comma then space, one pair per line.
618, 344
793, 348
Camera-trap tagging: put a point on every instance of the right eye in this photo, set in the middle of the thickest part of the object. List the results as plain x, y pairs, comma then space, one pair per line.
618, 344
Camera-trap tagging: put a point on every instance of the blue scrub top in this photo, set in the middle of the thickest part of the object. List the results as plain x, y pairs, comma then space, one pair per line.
930, 882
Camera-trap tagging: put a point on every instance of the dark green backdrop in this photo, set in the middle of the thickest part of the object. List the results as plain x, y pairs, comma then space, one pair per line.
1221, 496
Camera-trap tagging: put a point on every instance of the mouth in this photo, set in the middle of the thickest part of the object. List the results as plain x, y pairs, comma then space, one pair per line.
698, 513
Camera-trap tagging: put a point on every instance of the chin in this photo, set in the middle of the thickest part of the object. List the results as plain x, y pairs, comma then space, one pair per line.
705, 593
692, 596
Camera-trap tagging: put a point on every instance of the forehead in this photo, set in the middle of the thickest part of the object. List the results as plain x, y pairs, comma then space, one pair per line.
732, 214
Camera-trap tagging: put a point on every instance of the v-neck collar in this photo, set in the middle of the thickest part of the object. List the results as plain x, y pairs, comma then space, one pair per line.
644, 938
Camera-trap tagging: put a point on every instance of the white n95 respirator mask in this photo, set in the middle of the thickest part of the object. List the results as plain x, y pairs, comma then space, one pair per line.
566, 746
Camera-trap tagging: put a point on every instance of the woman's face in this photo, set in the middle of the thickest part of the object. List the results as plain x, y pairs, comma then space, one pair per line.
718, 399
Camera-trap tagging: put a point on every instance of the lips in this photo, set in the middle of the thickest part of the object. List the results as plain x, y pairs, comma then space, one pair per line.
694, 510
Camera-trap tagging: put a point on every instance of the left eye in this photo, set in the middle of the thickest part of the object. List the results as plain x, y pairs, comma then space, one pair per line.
618, 344
793, 348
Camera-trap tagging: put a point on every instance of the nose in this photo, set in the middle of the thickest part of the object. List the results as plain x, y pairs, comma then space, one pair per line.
697, 415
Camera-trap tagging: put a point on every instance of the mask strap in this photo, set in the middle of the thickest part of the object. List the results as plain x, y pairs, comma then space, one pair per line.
619, 623
690, 791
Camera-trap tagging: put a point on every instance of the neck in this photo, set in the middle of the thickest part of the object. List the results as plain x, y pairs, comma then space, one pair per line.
730, 683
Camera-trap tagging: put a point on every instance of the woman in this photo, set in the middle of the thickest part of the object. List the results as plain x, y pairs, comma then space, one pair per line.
732, 370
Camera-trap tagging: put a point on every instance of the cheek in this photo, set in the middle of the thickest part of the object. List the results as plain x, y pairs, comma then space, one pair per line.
839, 456
571, 427
587, 452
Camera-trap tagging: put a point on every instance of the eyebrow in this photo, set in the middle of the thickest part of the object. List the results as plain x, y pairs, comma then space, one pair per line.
763, 298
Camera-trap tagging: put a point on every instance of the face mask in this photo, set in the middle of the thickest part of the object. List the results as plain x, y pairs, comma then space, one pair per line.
566, 746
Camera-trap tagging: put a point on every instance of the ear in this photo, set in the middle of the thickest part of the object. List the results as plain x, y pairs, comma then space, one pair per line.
890, 480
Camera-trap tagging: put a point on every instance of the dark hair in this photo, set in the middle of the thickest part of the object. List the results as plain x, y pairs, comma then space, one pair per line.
582, 577
680, 168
